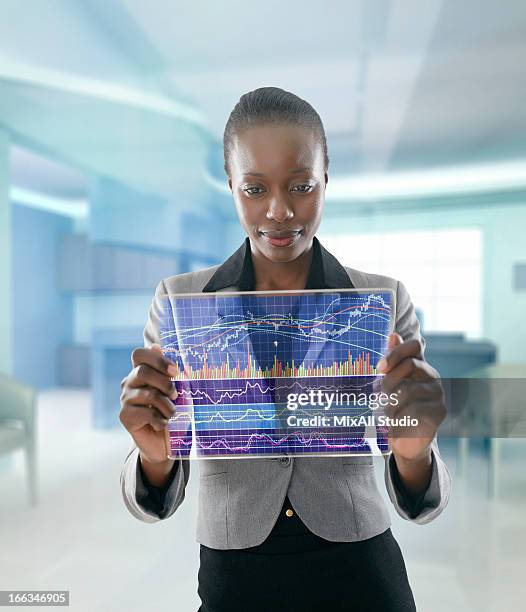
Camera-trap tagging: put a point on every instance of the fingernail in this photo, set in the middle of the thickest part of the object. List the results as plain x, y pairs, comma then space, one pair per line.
381, 365
172, 370
174, 395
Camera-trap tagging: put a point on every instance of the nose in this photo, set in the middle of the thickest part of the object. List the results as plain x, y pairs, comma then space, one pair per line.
279, 210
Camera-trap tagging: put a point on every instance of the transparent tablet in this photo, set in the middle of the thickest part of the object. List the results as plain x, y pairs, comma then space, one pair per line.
264, 374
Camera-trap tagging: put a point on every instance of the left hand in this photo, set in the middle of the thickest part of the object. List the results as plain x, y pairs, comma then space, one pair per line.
420, 396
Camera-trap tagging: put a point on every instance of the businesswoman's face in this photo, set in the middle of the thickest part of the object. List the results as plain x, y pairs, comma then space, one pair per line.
277, 177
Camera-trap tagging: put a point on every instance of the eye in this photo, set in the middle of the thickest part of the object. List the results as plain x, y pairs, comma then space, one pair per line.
304, 188
253, 190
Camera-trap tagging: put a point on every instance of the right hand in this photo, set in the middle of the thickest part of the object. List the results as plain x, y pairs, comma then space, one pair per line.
145, 402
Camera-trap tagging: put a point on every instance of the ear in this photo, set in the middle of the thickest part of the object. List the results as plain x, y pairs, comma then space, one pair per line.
326, 179
230, 183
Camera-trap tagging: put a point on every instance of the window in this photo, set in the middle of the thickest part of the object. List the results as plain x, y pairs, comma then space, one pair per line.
441, 269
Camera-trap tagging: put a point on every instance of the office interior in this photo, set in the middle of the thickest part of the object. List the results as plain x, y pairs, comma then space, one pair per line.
111, 178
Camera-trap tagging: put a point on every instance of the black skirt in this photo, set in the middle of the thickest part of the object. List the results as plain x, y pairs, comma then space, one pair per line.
318, 575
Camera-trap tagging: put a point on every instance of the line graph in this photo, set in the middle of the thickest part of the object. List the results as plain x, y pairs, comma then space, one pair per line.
240, 357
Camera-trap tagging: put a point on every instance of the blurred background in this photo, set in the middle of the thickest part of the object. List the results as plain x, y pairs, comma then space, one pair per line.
111, 178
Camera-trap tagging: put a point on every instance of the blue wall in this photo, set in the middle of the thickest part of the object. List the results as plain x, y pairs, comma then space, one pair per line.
42, 314
122, 216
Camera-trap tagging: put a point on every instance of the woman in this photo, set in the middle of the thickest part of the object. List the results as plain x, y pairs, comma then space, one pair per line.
290, 533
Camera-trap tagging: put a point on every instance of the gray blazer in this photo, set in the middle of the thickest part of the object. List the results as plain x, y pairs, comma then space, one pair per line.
336, 497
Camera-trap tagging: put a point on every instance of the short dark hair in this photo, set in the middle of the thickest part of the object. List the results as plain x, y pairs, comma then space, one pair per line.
271, 105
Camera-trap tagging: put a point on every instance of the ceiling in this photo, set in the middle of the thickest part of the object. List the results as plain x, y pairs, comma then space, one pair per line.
140, 91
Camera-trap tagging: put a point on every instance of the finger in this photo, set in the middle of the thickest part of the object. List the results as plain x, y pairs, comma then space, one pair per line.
410, 369
148, 396
154, 358
411, 348
144, 375
135, 417
410, 391
403, 401
392, 341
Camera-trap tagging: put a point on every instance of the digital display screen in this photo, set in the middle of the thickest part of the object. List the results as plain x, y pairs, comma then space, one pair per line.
276, 373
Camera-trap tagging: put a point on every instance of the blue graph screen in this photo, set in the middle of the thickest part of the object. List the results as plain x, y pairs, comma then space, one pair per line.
275, 373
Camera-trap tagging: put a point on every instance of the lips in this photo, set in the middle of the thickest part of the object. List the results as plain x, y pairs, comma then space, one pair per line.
281, 238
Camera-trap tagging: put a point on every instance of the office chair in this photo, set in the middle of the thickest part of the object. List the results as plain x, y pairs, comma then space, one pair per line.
18, 426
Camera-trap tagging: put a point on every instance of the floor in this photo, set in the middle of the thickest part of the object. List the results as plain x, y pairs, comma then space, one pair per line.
80, 537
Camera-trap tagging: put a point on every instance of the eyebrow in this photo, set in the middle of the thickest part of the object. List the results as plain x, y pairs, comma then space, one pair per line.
297, 171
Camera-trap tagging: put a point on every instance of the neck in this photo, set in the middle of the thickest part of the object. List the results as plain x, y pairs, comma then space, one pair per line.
275, 276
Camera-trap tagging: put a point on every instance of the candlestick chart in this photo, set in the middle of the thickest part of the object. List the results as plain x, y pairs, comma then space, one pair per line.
239, 358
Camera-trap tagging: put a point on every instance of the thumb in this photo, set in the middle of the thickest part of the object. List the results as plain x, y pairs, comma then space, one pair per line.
156, 348
393, 340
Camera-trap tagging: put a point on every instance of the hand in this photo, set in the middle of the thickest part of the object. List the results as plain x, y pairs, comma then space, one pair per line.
420, 396
146, 405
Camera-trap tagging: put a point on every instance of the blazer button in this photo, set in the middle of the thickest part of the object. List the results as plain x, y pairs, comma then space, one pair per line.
284, 461
289, 512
